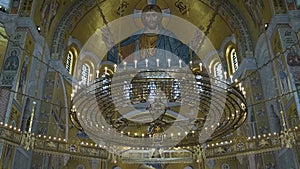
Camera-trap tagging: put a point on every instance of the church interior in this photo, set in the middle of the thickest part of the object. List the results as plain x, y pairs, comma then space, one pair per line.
149, 84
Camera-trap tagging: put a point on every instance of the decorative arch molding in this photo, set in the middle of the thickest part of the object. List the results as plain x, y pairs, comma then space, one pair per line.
245, 43
225, 44
76, 42
79, 8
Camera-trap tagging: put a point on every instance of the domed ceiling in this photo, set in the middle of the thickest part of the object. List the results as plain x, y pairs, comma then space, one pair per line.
217, 19
200, 15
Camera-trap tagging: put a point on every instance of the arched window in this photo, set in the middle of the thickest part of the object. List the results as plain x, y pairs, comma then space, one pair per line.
69, 62
176, 89
234, 61
225, 166
188, 167
151, 90
218, 71
199, 84
127, 90
13, 123
80, 166
85, 71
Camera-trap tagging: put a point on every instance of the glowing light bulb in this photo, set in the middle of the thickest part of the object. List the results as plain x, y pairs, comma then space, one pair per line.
225, 75
169, 62
105, 70
115, 67
200, 66
135, 63
146, 63
97, 73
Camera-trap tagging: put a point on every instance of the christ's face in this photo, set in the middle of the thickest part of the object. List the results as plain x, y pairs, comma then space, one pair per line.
152, 19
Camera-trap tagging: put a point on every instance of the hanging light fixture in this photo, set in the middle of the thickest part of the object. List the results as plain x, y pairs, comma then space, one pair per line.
144, 110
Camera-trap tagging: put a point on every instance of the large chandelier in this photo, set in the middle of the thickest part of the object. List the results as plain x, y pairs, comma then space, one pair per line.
157, 101
158, 107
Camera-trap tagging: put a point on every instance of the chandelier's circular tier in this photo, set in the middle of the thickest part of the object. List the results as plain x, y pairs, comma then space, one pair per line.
150, 108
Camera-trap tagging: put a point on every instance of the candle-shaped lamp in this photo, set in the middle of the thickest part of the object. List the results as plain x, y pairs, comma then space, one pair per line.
169, 62
97, 73
225, 75
105, 70
115, 67
125, 63
200, 65
135, 63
